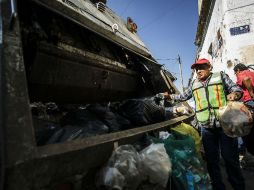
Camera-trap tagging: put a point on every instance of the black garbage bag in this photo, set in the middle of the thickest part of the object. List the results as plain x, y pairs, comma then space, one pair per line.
142, 111
78, 124
113, 120
77, 117
44, 130
106, 115
45, 120
124, 122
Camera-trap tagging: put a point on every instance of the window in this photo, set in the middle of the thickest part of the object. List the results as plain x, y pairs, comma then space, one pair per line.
210, 50
219, 39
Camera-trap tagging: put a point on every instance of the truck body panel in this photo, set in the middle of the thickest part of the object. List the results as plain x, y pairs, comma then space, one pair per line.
71, 60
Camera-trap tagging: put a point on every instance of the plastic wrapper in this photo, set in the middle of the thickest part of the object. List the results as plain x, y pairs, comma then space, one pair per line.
122, 170
164, 135
235, 119
156, 164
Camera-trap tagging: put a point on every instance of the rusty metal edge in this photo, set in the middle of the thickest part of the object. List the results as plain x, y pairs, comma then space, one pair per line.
55, 149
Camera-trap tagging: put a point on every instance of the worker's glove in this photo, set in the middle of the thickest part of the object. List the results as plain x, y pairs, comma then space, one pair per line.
181, 110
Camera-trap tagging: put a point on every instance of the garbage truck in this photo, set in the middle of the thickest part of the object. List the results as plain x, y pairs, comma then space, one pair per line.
68, 52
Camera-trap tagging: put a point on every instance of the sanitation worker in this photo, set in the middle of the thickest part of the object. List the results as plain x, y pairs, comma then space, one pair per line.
210, 91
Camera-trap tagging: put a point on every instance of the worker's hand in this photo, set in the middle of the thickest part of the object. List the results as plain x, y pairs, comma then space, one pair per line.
168, 96
233, 96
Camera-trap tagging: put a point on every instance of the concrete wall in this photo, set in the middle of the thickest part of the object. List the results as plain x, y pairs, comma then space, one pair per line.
228, 15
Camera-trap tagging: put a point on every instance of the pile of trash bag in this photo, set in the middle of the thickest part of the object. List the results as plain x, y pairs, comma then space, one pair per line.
173, 156
127, 168
58, 123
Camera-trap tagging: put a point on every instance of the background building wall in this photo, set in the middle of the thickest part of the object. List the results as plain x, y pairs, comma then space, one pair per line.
230, 38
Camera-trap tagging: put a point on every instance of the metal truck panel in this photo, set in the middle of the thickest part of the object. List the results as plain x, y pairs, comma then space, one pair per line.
63, 72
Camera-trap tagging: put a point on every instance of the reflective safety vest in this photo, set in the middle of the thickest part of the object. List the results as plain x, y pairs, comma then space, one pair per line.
209, 97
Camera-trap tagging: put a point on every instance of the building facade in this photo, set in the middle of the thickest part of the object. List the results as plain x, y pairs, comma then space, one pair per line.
225, 33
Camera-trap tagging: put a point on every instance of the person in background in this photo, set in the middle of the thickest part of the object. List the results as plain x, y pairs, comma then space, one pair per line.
210, 92
245, 79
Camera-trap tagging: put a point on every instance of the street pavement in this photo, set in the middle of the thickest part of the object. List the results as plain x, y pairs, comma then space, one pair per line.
247, 164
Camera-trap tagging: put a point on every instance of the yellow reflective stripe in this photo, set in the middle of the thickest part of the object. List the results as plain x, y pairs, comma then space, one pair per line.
216, 93
217, 89
220, 96
198, 99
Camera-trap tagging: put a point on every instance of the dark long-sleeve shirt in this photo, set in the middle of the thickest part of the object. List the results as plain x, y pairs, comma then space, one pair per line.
229, 86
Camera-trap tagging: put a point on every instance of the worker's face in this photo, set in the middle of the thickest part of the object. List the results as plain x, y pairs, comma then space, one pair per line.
203, 71
237, 72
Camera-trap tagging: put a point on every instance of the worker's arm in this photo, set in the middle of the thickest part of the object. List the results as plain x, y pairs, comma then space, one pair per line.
234, 96
186, 95
248, 85
235, 92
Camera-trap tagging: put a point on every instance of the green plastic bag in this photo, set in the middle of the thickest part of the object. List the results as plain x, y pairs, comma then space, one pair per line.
188, 170
186, 129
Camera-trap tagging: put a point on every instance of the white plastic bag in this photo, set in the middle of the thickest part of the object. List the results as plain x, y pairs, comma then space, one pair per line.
156, 164
122, 170
111, 178
235, 119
